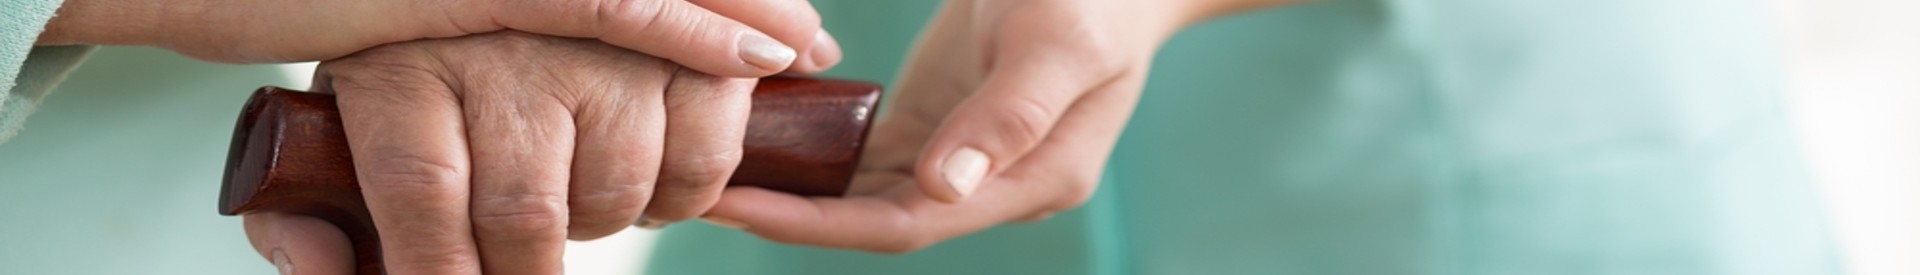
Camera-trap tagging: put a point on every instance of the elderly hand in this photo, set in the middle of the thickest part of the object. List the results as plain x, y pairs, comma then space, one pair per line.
487, 152
1007, 111
727, 38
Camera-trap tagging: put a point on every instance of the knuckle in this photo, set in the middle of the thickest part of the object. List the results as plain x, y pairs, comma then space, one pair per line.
609, 12
680, 210
385, 68
411, 171
610, 205
701, 171
620, 12
691, 87
1025, 120
528, 215
1099, 54
652, 16
913, 238
691, 185
1079, 40
447, 257
1077, 191
457, 17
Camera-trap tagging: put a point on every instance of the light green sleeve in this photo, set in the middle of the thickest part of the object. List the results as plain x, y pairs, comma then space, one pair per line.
28, 72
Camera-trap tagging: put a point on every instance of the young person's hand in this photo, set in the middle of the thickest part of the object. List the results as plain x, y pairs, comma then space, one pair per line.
1007, 111
727, 38
487, 152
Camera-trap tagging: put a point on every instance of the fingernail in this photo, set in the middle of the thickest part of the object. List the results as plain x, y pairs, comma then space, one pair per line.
964, 169
725, 222
651, 224
765, 53
281, 262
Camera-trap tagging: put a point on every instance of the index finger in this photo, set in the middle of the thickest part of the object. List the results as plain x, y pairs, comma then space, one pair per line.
410, 152
687, 33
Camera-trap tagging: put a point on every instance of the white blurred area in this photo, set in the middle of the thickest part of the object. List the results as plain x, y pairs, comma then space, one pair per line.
1854, 87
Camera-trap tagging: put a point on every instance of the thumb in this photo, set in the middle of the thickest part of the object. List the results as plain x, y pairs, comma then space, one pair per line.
1013, 110
297, 244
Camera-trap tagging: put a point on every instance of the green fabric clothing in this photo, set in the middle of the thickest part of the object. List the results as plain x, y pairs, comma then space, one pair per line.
27, 72
119, 171
43, 69
1400, 137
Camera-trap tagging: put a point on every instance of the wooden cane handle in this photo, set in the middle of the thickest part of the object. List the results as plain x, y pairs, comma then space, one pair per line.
290, 154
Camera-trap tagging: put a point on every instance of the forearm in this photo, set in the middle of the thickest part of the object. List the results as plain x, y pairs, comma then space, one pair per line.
1145, 24
114, 22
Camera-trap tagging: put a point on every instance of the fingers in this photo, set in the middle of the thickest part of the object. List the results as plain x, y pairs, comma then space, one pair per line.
684, 32
823, 55
793, 22
522, 146
706, 121
413, 168
615, 164
1056, 176
898, 223
866, 223
1014, 109
297, 244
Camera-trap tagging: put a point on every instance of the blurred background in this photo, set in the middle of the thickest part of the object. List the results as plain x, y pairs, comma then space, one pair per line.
1853, 78
1854, 85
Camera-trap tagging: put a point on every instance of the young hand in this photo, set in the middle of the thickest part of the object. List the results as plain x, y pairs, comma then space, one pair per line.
727, 38
1007, 111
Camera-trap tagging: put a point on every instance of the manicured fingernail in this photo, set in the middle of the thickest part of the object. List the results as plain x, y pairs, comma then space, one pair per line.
765, 53
725, 222
964, 169
651, 224
281, 262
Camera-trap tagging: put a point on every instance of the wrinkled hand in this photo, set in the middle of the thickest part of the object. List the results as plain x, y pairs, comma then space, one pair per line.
487, 152
727, 38
1007, 111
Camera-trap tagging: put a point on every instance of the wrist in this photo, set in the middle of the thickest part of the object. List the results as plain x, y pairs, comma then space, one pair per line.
1195, 11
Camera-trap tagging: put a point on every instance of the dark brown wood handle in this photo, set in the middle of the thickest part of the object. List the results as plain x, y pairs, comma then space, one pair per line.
290, 155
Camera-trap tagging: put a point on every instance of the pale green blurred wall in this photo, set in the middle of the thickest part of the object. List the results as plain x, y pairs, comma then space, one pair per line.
119, 170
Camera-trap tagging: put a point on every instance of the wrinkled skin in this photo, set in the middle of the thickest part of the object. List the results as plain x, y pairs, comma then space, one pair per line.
487, 152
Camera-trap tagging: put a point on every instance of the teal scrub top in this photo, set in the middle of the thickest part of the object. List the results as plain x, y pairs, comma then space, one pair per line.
1484, 137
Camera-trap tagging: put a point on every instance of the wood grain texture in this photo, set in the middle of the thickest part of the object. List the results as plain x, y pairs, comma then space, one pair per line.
290, 154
